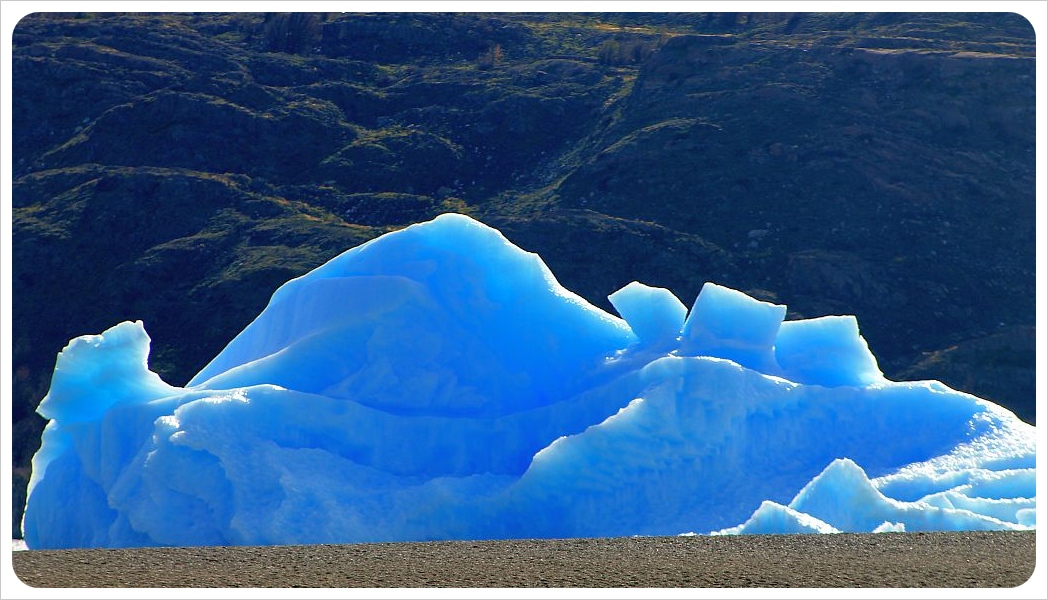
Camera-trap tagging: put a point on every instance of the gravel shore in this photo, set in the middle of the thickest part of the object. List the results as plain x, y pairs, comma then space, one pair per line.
896, 560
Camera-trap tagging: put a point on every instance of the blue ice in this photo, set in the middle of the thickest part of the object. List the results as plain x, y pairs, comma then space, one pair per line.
438, 383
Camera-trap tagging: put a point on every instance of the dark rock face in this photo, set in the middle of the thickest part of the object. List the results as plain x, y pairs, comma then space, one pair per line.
177, 168
998, 364
798, 160
402, 38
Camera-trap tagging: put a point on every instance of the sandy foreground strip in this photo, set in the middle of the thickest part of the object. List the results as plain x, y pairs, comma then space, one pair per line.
910, 560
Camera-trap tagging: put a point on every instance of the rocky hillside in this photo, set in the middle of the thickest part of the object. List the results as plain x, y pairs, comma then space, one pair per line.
177, 168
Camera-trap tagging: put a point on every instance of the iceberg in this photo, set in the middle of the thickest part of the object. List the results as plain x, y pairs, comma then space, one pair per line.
438, 383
